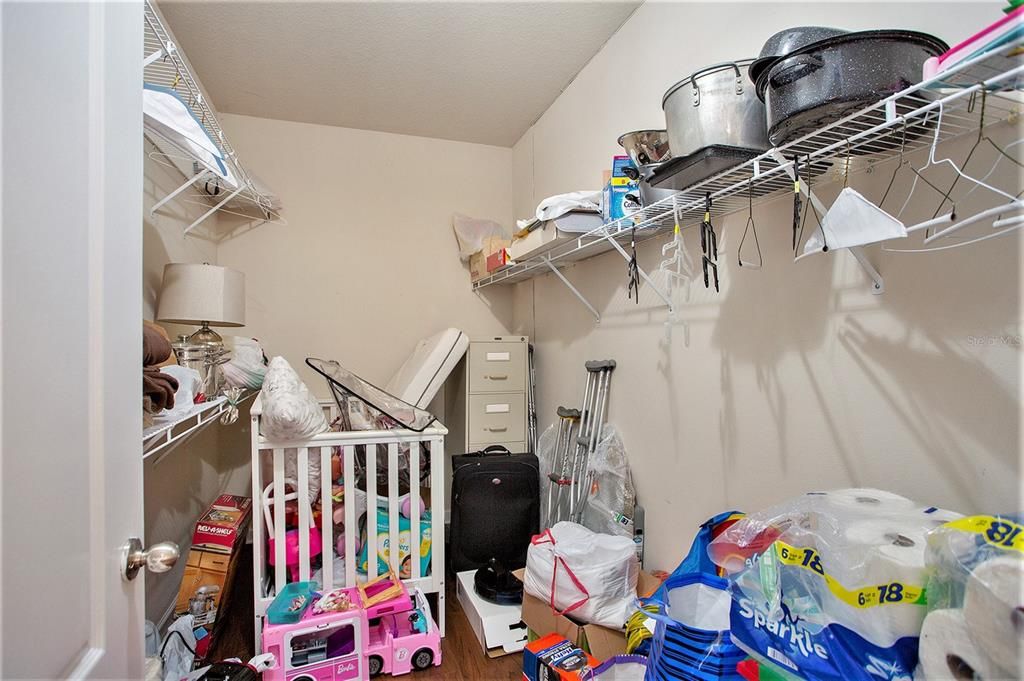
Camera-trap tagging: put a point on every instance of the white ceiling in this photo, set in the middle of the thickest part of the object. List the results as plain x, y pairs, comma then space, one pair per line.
471, 71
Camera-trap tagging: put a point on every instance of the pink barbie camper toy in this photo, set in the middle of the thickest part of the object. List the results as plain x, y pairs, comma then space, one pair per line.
353, 634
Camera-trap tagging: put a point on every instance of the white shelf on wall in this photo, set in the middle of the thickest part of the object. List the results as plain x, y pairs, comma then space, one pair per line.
167, 433
948, 106
248, 202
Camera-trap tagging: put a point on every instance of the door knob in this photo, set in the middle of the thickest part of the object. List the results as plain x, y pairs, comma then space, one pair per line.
157, 558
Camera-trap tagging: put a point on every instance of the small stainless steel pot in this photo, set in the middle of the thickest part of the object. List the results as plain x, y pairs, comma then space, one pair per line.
715, 105
646, 147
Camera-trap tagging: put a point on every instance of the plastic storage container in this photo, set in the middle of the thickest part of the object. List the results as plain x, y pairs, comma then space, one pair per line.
286, 609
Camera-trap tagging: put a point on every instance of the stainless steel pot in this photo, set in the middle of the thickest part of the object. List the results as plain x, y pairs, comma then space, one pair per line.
714, 106
646, 147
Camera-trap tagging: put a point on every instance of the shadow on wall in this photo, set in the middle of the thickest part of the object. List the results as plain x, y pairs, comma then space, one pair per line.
936, 399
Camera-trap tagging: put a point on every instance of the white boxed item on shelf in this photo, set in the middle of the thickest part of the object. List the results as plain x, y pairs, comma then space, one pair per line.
554, 232
499, 628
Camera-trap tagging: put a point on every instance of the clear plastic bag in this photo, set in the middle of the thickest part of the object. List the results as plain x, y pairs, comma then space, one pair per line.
975, 599
546, 461
830, 585
611, 500
472, 233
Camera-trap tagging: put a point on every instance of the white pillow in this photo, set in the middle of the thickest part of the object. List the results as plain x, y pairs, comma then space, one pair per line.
290, 412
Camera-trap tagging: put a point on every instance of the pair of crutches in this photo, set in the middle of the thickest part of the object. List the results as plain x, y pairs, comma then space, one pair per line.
579, 432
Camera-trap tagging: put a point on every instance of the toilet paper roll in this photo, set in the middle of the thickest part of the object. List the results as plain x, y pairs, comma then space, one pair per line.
939, 516
867, 500
947, 651
994, 611
888, 549
874, 553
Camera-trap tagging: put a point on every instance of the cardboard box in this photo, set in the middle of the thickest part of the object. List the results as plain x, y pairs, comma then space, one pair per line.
554, 657
498, 628
601, 642
211, 562
478, 261
497, 260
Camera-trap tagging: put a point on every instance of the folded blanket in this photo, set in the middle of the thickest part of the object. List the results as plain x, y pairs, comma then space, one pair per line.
155, 348
159, 387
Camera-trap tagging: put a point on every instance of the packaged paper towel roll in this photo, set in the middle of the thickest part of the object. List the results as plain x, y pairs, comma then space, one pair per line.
994, 611
867, 500
946, 650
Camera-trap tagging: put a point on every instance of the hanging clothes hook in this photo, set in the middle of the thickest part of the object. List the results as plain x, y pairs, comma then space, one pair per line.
709, 245
796, 199
632, 270
750, 225
899, 164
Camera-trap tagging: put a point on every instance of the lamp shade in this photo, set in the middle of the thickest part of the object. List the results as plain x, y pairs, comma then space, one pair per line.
192, 294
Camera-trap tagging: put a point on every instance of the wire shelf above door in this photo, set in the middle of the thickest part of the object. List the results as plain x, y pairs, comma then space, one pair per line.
250, 204
946, 106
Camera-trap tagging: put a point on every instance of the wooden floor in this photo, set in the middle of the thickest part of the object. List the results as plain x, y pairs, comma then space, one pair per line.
461, 654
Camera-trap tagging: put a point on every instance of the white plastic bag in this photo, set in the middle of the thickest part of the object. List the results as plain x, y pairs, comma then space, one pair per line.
853, 221
246, 368
593, 575
178, 649
290, 412
472, 233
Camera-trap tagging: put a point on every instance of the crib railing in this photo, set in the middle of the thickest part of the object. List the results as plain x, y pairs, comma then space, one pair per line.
269, 464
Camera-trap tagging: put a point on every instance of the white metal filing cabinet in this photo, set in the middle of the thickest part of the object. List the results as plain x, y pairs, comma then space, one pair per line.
487, 404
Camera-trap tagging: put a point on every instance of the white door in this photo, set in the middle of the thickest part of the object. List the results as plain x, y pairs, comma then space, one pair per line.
70, 338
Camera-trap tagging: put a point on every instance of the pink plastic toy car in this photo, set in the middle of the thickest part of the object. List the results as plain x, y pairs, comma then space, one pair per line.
394, 637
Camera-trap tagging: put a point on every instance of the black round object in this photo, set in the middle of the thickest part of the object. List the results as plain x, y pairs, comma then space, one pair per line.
376, 664
829, 79
423, 658
786, 42
498, 586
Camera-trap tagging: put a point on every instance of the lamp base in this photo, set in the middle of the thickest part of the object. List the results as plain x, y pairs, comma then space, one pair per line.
206, 336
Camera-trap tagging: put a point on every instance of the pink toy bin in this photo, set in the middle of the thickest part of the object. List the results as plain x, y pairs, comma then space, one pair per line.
393, 637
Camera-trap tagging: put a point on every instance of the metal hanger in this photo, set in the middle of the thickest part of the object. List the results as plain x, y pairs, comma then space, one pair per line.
817, 217
750, 225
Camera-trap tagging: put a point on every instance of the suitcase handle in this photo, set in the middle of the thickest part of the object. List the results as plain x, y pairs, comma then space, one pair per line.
493, 450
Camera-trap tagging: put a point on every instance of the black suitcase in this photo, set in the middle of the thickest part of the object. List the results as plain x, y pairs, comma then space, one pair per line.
495, 508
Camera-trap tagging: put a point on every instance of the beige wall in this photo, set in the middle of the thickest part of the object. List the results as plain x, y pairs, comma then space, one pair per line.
795, 377
368, 263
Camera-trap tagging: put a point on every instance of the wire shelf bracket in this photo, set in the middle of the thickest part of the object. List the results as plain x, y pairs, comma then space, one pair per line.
575, 291
877, 282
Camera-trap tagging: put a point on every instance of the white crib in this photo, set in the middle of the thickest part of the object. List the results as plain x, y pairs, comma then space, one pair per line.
268, 579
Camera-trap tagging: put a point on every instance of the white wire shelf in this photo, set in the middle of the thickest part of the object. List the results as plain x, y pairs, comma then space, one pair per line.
903, 122
166, 66
167, 433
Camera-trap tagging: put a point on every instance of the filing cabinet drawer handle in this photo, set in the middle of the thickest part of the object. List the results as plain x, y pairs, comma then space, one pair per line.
497, 377
498, 430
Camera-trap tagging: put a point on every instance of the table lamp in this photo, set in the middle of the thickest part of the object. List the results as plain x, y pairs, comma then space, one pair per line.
204, 294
